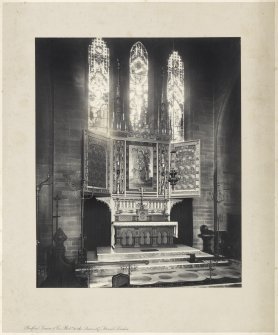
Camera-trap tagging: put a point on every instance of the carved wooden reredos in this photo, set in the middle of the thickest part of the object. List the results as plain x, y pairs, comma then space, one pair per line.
132, 173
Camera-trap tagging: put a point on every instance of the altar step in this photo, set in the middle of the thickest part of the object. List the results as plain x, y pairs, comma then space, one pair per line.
155, 259
106, 254
167, 265
109, 261
112, 269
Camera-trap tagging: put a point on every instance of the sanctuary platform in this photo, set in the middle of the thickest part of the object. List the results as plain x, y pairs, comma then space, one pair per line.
110, 261
160, 266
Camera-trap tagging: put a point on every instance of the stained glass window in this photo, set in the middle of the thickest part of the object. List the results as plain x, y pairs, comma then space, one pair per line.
175, 95
98, 85
138, 87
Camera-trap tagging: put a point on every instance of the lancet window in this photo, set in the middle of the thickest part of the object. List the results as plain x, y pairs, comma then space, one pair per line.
138, 87
175, 96
98, 85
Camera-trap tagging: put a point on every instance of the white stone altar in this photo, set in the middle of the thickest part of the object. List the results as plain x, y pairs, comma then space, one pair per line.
143, 234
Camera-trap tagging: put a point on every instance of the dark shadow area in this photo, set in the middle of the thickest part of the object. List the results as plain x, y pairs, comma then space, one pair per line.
182, 212
231, 239
97, 224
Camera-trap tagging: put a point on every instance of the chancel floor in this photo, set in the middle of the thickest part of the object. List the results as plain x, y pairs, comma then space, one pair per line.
225, 275
178, 265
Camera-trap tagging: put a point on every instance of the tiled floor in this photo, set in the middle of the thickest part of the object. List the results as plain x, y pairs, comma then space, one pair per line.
180, 276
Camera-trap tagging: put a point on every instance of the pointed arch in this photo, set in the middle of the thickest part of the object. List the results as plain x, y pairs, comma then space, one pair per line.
138, 86
98, 99
175, 96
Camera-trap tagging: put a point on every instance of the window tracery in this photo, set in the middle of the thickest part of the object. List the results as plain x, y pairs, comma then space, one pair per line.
98, 109
175, 96
138, 87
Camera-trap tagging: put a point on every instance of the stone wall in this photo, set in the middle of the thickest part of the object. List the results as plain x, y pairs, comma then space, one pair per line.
202, 128
213, 115
44, 141
229, 171
64, 81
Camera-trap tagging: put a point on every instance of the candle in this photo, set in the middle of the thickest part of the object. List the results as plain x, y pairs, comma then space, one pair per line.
118, 170
173, 159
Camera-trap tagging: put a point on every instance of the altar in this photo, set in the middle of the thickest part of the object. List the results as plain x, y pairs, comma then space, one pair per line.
143, 234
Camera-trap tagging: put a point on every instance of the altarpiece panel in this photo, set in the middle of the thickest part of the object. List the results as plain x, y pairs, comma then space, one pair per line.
187, 164
96, 169
141, 166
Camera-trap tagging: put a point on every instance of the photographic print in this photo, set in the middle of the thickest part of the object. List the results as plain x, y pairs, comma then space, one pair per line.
138, 144
143, 161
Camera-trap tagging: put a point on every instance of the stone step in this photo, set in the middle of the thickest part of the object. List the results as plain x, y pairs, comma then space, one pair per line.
155, 259
112, 269
114, 255
108, 261
149, 256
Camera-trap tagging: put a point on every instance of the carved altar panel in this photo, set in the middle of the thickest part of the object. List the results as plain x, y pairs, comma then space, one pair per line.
130, 206
118, 166
187, 164
141, 166
163, 168
96, 163
144, 234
